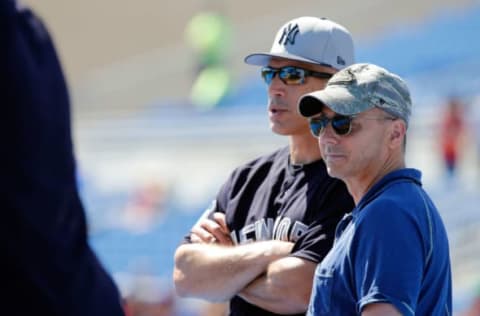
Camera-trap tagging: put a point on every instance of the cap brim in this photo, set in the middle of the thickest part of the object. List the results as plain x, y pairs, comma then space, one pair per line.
338, 99
263, 59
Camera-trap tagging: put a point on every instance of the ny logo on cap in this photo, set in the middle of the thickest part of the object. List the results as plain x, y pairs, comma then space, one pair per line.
289, 34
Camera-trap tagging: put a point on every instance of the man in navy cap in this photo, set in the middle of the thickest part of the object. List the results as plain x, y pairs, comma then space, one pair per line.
47, 267
274, 218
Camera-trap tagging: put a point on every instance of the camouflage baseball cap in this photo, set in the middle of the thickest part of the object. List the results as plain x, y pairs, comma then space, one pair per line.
358, 88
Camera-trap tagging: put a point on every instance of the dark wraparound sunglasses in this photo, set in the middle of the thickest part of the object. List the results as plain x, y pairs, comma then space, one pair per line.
341, 124
291, 75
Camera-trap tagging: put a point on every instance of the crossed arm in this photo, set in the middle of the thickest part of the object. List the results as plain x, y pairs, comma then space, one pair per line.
262, 272
217, 273
284, 288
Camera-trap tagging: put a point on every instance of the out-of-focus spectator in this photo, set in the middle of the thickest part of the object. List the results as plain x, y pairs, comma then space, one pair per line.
209, 33
144, 207
474, 308
452, 133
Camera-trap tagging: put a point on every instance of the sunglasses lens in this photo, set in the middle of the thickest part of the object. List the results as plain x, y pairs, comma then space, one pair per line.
341, 124
292, 75
268, 74
316, 127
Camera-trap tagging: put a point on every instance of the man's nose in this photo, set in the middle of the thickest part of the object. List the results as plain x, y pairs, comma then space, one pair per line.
276, 86
328, 135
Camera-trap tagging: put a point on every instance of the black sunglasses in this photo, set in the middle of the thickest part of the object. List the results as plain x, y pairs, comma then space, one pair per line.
341, 124
291, 75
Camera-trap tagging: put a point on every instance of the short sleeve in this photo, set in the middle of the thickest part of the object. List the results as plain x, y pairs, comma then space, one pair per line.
387, 258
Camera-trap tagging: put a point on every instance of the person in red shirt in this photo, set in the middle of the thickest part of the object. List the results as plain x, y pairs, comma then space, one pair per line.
451, 133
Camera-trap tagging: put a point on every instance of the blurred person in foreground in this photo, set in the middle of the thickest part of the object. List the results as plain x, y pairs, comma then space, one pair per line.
390, 255
273, 220
47, 266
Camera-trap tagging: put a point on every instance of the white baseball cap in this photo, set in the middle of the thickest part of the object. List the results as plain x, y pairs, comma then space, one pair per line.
312, 40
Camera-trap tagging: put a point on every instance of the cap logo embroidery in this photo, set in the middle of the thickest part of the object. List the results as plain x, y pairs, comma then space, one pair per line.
289, 34
340, 61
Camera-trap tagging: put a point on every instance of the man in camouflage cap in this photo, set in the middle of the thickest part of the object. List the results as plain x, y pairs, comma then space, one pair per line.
359, 88
390, 255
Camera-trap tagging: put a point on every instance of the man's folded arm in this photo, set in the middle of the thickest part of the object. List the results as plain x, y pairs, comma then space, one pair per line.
217, 273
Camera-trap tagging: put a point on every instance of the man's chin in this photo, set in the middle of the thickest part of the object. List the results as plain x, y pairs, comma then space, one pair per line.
278, 130
333, 171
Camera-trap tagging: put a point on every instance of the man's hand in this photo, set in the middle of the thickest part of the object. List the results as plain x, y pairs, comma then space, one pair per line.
211, 231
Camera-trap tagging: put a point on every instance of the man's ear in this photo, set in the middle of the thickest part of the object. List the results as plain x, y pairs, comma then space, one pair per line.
397, 133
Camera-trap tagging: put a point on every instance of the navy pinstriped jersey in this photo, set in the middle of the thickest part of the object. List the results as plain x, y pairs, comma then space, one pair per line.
269, 198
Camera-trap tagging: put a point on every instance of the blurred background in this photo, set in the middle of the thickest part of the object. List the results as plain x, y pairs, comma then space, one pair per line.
164, 108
